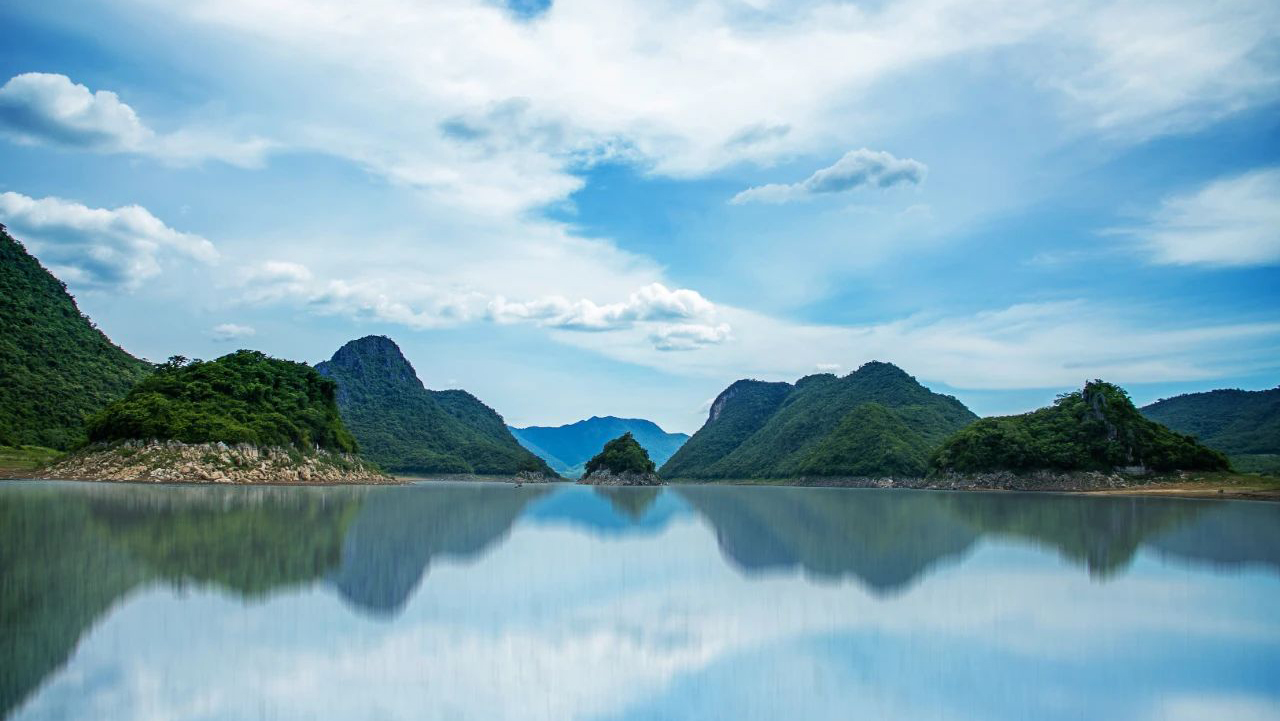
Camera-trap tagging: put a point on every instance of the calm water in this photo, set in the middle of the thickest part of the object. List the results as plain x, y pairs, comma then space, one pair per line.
460, 601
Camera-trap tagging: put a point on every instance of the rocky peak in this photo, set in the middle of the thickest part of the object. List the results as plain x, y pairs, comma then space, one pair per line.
372, 357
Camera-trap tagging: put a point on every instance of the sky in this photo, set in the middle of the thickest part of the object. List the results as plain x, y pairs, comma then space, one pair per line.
575, 208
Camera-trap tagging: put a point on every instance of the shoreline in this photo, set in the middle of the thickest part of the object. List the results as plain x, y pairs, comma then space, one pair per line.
1226, 487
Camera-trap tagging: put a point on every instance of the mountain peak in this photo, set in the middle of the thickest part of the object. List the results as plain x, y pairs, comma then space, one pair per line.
372, 356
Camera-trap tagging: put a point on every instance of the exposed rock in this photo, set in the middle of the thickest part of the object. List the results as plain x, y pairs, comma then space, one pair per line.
174, 462
534, 477
605, 477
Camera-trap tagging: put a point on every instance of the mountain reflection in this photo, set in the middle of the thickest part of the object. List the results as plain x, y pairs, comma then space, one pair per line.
70, 552
399, 530
884, 538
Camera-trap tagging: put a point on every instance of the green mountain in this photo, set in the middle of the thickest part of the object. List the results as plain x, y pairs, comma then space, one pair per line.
1094, 429
243, 397
621, 455
1243, 424
876, 421
56, 367
568, 448
406, 428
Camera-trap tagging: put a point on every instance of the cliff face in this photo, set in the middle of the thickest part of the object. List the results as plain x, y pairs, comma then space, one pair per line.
174, 462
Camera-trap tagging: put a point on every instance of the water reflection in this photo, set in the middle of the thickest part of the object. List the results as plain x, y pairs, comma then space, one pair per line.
644, 574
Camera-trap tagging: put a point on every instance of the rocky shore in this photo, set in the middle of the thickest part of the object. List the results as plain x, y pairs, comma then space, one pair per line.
605, 477
174, 462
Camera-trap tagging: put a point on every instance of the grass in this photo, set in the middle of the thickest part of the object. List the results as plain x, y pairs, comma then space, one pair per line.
26, 458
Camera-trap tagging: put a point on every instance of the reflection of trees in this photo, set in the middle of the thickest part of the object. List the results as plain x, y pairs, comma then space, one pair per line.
885, 539
399, 530
68, 553
631, 501
1227, 535
1100, 533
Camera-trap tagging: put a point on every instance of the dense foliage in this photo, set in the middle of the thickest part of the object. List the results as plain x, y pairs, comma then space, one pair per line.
876, 421
621, 455
1243, 424
244, 397
408, 429
56, 367
568, 448
1097, 428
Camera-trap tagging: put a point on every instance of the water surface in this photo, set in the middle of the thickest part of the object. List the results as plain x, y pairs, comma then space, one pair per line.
485, 601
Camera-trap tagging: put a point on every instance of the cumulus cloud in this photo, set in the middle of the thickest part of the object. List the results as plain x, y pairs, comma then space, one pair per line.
688, 336
861, 168
230, 331
1231, 221
99, 247
679, 319
653, 302
50, 109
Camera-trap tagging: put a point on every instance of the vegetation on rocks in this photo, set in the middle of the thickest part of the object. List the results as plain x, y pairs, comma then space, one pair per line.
56, 367
621, 455
245, 397
1094, 429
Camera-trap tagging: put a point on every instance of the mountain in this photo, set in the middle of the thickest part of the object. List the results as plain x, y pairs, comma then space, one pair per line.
56, 367
1094, 429
406, 428
242, 397
1243, 424
621, 455
876, 421
567, 448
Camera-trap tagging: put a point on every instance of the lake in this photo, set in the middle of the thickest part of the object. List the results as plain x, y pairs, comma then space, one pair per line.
487, 601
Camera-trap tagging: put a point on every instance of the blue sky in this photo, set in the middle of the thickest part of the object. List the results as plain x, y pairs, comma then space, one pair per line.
575, 208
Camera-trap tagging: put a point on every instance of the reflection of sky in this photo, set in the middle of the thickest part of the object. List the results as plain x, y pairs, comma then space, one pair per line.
558, 623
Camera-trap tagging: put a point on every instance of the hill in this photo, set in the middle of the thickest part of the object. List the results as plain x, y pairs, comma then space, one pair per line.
56, 367
568, 448
406, 428
876, 421
1245, 425
1094, 429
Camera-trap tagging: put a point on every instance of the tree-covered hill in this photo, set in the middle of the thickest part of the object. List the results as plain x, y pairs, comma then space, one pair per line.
56, 367
1094, 429
1243, 424
738, 412
406, 428
876, 421
621, 455
243, 397
567, 448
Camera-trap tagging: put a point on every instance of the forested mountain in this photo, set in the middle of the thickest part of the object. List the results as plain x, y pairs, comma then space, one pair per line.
621, 455
876, 421
242, 397
406, 428
1243, 424
56, 367
1094, 429
567, 448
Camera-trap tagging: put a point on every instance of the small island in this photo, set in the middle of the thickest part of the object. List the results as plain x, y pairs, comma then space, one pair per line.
622, 462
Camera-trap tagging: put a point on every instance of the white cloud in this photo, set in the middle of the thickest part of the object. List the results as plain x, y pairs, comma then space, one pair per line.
828, 367
689, 336
230, 331
1229, 222
664, 313
47, 108
99, 247
861, 168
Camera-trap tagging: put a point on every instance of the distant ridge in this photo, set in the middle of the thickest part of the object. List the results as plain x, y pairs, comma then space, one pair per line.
876, 421
408, 429
1243, 424
567, 448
